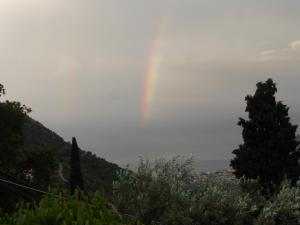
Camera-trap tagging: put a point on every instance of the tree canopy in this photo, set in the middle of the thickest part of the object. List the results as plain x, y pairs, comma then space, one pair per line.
269, 152
12, 115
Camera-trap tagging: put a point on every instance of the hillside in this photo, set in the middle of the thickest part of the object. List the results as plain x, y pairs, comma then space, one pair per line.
97, 172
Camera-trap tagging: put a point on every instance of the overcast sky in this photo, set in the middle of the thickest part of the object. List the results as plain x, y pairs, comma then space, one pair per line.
81, 66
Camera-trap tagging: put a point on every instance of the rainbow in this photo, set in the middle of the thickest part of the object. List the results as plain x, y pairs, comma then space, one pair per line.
152, 72
67, 70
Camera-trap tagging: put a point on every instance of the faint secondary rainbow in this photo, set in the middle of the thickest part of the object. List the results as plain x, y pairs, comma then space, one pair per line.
152, 72
67, 70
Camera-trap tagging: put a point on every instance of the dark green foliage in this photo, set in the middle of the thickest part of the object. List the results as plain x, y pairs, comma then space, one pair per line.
11, 120
269, 152
34, 168
76, 209
75, 171
12, 116
41, 162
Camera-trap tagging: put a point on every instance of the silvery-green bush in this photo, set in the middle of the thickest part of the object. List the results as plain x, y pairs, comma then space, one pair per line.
157, 193
168, 192
220, 200
283, 208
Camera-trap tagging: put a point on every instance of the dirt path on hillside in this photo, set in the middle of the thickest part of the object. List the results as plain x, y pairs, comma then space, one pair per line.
61, 174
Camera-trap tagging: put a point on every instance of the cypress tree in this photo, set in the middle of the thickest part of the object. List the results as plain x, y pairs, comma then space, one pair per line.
269, 152
75, 180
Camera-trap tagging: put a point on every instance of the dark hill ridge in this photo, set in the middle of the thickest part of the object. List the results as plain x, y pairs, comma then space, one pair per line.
97, 172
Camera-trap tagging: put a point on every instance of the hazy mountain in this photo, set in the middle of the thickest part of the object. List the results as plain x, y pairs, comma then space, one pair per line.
97, 172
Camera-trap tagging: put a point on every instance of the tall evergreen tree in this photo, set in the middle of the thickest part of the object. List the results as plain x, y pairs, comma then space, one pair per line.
75, 170
269, 152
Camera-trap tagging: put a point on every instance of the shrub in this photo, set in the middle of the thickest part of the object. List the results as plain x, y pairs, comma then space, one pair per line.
220, 200
284, 208
156, 193
76, 209
167, 192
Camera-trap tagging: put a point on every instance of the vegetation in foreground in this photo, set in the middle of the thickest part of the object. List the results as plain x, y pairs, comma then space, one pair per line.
166, 192
75, 209
169, 192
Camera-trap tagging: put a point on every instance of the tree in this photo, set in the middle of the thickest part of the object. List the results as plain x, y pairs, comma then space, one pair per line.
12, 115
75, 170
269, 152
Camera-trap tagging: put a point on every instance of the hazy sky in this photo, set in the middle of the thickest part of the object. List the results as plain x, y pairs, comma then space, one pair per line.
81, 66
